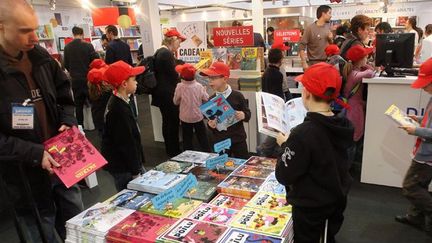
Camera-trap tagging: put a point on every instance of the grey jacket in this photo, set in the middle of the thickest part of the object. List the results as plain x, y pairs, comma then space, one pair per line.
424, 152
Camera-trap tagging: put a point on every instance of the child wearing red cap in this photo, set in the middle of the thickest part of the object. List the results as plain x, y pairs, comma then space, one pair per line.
218, 74
355, 70
419, 175
121, 140
190, 95
314, 165
333, 56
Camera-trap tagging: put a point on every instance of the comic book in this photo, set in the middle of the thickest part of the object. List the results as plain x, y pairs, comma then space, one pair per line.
194, 157
175, 167
233, 163
218, 108
234, 58
214, 176
180, 208
213, 214
269, 163
203, 191
240, 236
270, 201
252, 171
219, 55
155, 182
249, 58
271, 185
130, 199
239, 186
262, 221
139, 227
228, 201
191, 231
76, 155
398, 116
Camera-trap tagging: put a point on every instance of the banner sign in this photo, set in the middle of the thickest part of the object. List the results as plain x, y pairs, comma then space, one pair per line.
196, 41
287, 35
213, 162
233, 36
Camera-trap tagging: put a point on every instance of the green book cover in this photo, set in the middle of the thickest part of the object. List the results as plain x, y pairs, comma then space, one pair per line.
203, 191
180, 208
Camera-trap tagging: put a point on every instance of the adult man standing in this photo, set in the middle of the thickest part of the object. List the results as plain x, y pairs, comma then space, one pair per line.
316, 38
35, 104
78, 55
117, 50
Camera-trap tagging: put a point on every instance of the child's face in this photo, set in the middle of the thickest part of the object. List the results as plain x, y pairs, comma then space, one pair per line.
363, 61
218, 83
130, 85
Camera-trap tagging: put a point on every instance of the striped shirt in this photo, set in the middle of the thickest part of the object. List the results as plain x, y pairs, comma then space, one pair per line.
190, 95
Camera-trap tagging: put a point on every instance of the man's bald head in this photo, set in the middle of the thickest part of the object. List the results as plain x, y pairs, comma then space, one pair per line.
9, 7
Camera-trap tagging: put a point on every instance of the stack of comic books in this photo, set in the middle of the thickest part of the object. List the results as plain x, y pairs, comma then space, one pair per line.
155, 182
228, 201
245, 187
213, 214
179, 208
194, 157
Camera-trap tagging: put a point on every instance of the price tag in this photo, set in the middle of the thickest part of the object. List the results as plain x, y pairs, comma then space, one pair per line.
213, 162
163, 198
222, 145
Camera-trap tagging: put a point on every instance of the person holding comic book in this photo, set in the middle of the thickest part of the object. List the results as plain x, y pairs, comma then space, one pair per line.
36, 104
419, 175
218, 74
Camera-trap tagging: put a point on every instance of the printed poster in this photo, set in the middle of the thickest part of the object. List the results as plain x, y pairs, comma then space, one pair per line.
196, 41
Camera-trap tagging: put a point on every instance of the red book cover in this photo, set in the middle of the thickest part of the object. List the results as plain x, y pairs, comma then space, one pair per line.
139, 227
191, 231
227, 201
76, 155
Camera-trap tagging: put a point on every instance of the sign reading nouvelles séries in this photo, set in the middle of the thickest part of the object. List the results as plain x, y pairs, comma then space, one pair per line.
287, 35
233, 36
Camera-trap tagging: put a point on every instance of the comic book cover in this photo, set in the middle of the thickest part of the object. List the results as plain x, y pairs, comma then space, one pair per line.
213, 214
253, 171
213, 176
155, 182
239, 186
219, 55
271, 185
76, 155
270, 201
233, 163
191, 231
269, 163
130, 199
175, 167
218, 108
203, 191
240, 236
262, 221
249, 58
194, 157
234, 58
139, 227
121, 197
180, 208
228, 201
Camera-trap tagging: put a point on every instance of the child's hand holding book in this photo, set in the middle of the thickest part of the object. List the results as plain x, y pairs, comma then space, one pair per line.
409, 129
240, 115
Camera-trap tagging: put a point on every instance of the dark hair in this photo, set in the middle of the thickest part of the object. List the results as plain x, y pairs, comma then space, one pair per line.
270, 29
275, 55
322, 9
111, 29
413, 21
77, 31
342, 29
385, 27
236, 23
104, 37
359, 21
428, 29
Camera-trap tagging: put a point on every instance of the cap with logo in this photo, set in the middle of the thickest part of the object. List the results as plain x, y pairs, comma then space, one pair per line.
357, 52
186, 71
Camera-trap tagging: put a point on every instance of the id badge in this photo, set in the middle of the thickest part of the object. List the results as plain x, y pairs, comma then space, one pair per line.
22, 116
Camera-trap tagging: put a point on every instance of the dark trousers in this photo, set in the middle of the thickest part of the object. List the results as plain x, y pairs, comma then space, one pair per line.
170, 128
121, 179
200, 132
239, 150
415, 189
309, 223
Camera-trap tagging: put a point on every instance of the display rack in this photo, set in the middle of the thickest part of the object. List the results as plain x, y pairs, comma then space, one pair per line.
46, 38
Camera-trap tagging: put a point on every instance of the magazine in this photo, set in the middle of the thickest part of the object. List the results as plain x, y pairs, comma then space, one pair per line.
227, 201
218, 108
76, 155
249, 58
398, 116
213, 214
274, 115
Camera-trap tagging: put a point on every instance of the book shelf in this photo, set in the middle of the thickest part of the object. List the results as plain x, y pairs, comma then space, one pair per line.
46, 38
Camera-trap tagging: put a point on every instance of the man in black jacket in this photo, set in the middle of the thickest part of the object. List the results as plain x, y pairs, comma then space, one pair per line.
32, 81
117, 50
78, 55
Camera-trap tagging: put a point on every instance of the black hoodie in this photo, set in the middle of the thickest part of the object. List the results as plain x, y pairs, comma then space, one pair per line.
314, 161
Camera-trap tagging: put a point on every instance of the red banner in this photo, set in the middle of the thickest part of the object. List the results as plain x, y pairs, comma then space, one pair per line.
109, 15
287, 35
233, 36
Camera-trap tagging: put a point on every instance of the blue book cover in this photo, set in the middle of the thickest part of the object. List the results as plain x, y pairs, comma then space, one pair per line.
137, 202
154, 181
271, 185
218, 108
236, 235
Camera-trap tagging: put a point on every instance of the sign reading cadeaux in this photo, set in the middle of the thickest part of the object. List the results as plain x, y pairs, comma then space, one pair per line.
196, 41
287, 35
233, 36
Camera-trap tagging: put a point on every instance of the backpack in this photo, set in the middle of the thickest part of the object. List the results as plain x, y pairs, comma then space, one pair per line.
147, 80
339, 109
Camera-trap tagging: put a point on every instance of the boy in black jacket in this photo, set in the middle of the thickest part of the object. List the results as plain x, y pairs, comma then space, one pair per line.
272, 78
218, 75
121, 139
314, 163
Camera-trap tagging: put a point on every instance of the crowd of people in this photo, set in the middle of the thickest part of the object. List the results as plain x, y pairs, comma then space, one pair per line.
314, 160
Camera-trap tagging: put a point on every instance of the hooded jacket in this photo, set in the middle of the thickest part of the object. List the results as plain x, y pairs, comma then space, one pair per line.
314, 161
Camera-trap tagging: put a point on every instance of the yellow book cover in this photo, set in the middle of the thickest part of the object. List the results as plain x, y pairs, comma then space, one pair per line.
398, 116
270, 201
180, 208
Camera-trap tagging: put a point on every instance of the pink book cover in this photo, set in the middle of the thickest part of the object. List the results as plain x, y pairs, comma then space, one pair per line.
76, 155
191, 231
227, 201
139, 227
213, 214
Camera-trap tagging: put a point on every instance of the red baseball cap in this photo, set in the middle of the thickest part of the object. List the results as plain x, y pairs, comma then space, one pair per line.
280, 45
321, 77
120, 71
332, 50
424, 76
96, 75
357, 52
217, 69
98, 63
186, 71
174, 32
